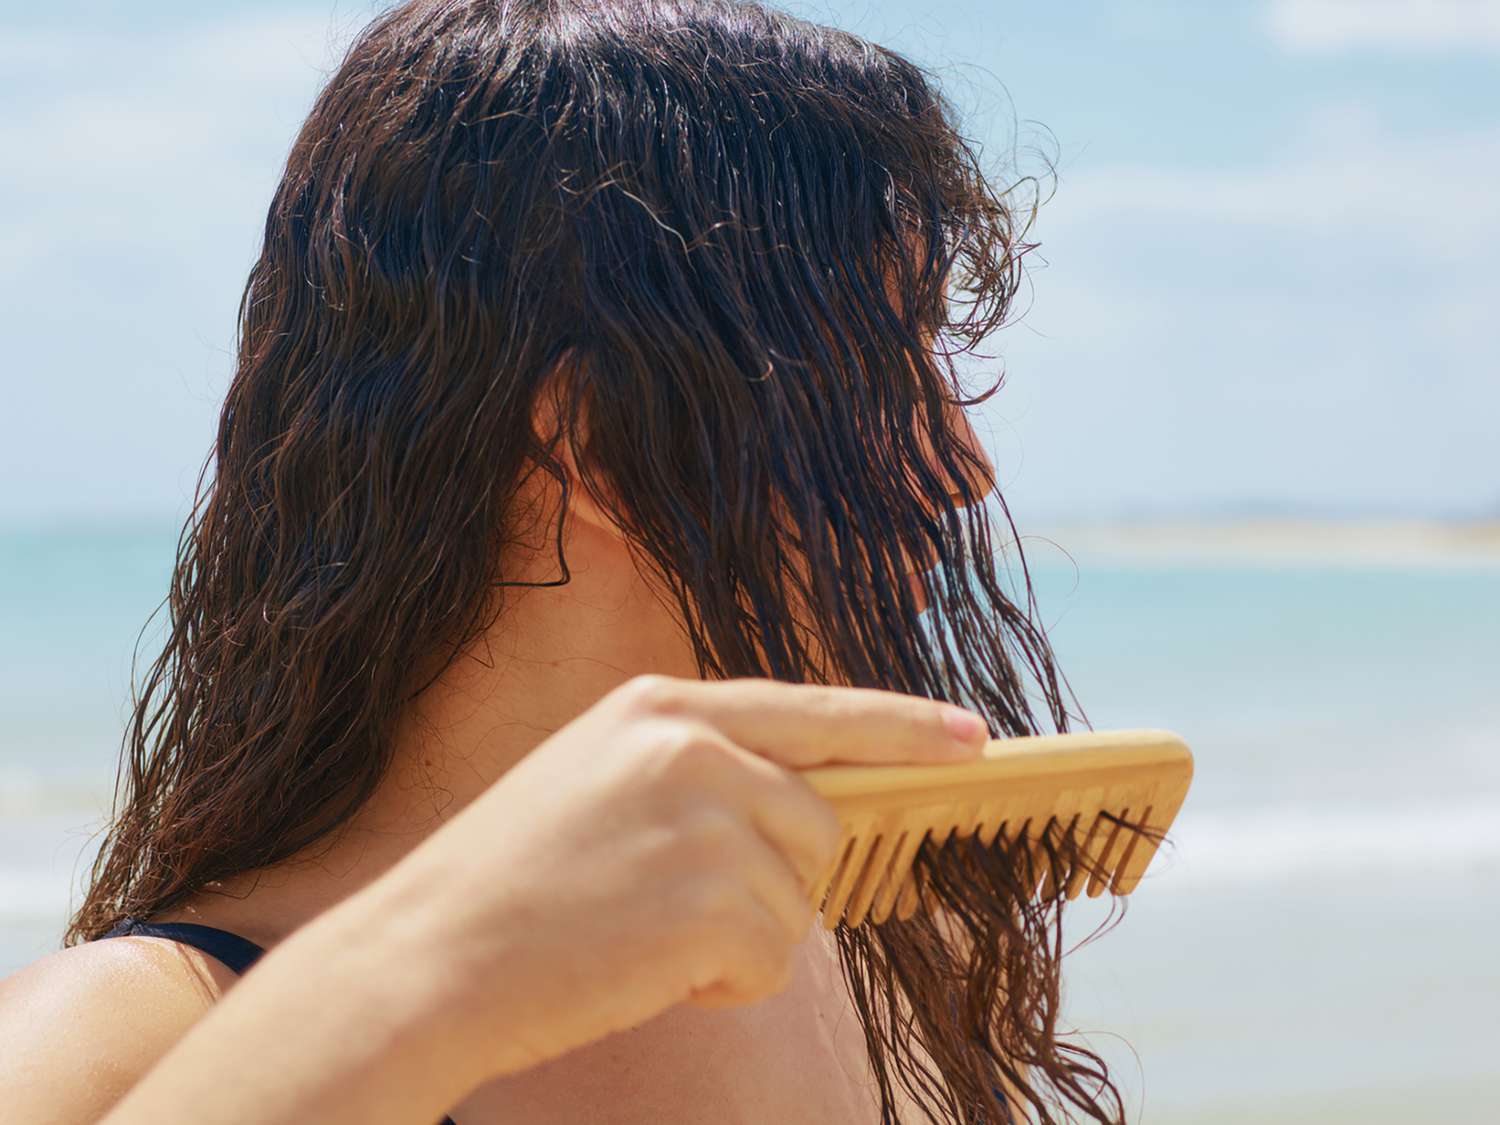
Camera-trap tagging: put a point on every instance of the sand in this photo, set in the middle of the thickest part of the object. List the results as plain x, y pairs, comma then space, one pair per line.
1282, 542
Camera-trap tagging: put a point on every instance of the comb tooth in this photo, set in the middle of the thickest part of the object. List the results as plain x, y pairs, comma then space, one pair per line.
855, 854
877, 870
1062, 815
820, 888
1026, 854
996, 813
1011, 840
916, 895
909, 900
1004, 836
1073, 844
979, 824
1166, 800
1143, 800
900, 873
1074, 817
1093, 840
1041, 867
1127, 856
1045, 808
991, 828
1004, 813
1038, 849
1069, 805
1057, 874
1085, 807
968, 820
1099, 878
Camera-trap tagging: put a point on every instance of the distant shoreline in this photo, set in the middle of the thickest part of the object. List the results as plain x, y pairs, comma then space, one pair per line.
1355, 542
1278, 541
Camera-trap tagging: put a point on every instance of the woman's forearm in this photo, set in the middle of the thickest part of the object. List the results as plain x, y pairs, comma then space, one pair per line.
581, 894
345, 1021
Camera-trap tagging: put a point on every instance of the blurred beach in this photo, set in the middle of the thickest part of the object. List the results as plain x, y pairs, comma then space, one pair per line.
1259, 242
1317, 946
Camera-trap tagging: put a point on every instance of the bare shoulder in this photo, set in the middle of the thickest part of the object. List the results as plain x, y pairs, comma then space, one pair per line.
79, 1027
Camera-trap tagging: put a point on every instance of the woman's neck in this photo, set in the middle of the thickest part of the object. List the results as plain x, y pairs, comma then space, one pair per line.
551, 653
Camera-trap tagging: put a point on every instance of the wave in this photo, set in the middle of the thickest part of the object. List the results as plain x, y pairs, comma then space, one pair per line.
28, 894
1291, 845
27, 793
1307, 844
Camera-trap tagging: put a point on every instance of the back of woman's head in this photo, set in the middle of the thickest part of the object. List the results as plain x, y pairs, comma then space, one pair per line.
739, 253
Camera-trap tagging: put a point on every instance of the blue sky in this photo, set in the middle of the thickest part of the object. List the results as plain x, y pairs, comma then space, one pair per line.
1266, 276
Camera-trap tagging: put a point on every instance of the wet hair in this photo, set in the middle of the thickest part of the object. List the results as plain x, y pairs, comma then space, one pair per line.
757, 248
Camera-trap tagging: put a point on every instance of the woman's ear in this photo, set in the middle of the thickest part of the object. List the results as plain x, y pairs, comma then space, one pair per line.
977, 472
981, 473
548, 422
580, 503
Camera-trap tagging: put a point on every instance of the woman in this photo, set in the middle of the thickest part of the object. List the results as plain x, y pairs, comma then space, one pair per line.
593, 454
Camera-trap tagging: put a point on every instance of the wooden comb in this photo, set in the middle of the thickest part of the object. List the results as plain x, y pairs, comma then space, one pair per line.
1069, 785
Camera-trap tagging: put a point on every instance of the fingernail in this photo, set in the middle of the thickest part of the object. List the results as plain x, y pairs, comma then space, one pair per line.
964, 725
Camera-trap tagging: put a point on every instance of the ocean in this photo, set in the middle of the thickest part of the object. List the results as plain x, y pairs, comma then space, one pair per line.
1319, 943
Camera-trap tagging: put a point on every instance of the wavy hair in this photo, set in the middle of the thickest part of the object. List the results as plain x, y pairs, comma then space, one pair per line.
757, 246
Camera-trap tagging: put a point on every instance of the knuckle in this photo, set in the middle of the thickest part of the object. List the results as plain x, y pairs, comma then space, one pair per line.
772, 961
717, 903
824, 831
793, 922
836, 704
895, 711
685, 750
724, 916
806, 920
916, 721
650, 694
715, 836
780, 976
932, 717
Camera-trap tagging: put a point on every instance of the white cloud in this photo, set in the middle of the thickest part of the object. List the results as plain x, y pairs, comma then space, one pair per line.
200, 130
1349, 277
1433, 194
138, 169
1317, 327
1400, 25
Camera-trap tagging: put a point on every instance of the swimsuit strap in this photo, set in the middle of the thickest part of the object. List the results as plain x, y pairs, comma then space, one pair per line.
235, 952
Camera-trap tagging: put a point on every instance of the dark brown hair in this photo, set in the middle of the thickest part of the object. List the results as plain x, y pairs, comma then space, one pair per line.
757, 246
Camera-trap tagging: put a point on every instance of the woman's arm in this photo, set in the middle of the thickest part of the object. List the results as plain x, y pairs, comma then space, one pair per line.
350, 1020
653, 851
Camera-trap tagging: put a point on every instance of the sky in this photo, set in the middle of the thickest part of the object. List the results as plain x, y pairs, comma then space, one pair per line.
1265, 279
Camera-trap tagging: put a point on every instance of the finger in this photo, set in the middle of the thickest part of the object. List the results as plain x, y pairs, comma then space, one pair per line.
787, 812
780, 884
757, 963
802, 725
720, 996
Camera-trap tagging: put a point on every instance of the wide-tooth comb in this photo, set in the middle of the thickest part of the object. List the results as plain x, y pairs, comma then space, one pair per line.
1020, 789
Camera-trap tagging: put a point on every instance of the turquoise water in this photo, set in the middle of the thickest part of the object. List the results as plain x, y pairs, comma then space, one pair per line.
1318, 946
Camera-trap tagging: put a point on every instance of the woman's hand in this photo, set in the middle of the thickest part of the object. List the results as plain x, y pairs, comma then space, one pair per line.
655, 850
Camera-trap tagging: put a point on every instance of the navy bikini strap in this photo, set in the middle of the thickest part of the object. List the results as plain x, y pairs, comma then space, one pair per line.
234, 951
